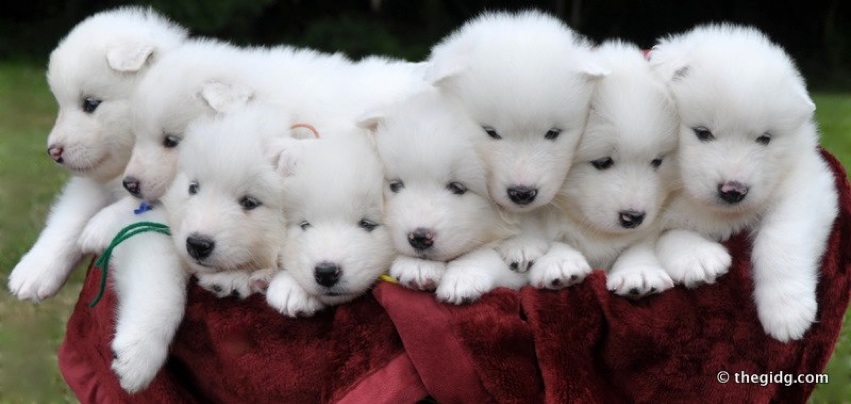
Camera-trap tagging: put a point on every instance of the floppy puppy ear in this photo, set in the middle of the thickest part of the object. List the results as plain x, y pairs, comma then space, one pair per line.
128, 57
225, 97
285, 154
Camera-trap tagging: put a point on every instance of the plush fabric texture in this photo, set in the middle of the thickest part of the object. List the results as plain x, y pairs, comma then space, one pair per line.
581, 344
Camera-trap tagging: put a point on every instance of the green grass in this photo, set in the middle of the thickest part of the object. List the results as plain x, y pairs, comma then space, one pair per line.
30, 334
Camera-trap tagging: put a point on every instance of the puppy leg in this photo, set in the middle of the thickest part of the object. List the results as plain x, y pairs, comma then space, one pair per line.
690, 259
787, 252
472, 275
151, 288
104, 225
560, 267
288, 297
638, 273
44, 269
520, 252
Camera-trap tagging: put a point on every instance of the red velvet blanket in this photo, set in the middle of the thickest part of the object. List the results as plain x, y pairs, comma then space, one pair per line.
581, 344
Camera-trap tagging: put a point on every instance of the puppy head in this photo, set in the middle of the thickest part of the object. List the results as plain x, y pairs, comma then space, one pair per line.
183, 87
225, 204
437, 205
92, 73
526, 80
745, 113
625, 160
336, 243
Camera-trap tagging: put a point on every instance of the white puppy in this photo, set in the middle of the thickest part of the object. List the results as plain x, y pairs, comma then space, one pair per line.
202, 79
619, 180
92, 73
336, 244
437, 207
224, 205
223, 158
526, 80
748, 161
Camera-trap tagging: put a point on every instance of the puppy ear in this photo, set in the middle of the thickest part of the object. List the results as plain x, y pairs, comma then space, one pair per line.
129, 57
593, 69
224, 97
285, 154
370, 121
439, 74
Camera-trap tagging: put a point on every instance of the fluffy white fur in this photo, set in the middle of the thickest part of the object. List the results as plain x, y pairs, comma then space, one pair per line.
226, 194
336, 242
521, 76
744, 97
436, 187
526, 79
93, 72
618, 183
206, 78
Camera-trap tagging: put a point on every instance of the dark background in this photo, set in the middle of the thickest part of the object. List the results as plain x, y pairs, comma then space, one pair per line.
816, 32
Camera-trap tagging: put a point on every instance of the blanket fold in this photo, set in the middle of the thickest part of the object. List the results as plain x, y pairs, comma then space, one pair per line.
581, 344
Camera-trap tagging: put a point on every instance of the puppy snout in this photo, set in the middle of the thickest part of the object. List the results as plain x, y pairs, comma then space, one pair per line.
522, 195
732, 192
421, 238
199, 246
55, 152
132, 185
327, 273
630, 219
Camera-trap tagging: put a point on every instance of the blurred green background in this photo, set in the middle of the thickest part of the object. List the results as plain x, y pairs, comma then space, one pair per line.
30, 333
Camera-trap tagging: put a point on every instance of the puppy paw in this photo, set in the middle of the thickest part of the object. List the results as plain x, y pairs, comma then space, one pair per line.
787, 316
520, 253
639, 281
463, 283
700, 264
418, 274
259, 280
288, 297
226, 284
559, 268
137, 359
38, 276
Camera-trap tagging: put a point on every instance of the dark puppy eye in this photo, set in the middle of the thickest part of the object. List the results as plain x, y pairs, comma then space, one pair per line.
249, 202
603, 163
171, 141
552, 134
456, 188
396, 186
764, 139
367, 224
491, 132
90, 104
656, 163
703, 134
304, 225
193, 188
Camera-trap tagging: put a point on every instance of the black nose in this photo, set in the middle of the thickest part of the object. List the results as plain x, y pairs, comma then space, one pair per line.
631, 218
198, 246
732, 192
55, 153
327, 273
522, 195
131, 184
421, 238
